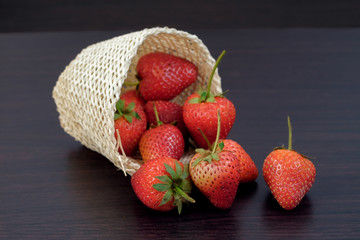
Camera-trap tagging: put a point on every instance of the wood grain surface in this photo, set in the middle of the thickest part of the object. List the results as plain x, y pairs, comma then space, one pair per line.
51, 187
81, 15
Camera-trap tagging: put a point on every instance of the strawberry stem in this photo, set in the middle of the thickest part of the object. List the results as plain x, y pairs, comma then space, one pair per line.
206, 139
213, 72
157, 116
290, 134
183, 194
130, 83
217, 132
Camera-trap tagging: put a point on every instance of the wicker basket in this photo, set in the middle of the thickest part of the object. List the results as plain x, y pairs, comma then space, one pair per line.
88, 89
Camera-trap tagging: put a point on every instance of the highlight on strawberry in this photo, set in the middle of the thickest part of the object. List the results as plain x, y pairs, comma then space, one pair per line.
216, 172
163, 76
161, 140
288, 174
162, 184
200, 111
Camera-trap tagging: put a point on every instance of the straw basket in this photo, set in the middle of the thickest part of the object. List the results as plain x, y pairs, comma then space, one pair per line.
88, 89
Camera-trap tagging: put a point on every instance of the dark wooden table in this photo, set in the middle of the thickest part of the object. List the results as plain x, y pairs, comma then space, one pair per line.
52, 187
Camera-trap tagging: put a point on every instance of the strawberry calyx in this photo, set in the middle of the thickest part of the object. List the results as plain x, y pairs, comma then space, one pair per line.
213, 152
290, 141
205, 95
127, 112
208, 155
177, 186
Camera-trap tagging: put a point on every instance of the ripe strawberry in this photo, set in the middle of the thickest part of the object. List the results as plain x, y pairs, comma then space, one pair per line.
133, 96
249, 171
162, 184
199, 111
130, 123
163, 76
216, 173
169, 112
161, 140
289, 175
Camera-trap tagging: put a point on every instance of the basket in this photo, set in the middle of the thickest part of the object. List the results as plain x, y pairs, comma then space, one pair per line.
87, 90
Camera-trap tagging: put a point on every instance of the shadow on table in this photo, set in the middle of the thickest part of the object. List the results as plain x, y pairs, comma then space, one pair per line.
200, 220
279, 221
103, 201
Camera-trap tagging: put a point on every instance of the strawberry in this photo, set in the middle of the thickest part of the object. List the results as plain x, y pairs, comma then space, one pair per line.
164, 76
288, 174
249, 171
168, 112
216, 173
130, 124
161, 140
133, 96
162, 184
199, 111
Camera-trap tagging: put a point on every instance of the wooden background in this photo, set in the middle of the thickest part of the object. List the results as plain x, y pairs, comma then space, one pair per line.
291, 63
79, 15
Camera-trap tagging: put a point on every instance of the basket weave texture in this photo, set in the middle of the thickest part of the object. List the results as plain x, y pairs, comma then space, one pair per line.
87, 90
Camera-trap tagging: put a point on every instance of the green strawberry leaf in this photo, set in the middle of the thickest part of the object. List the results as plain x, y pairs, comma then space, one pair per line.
208, 158
136, 115
128, 118
185, 173
277, 148
203, 97
117, 116
167, 197
200, 150
161, 187
178, 169
130, 107
186, 186
194, 100
164, 179
179, 205
210, 99
215, 156
177, 186
223, 93
221, 145
174, 123
120, 106
197, 161
171, 171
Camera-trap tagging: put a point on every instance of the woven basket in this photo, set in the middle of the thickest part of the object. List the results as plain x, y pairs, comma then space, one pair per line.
88, 89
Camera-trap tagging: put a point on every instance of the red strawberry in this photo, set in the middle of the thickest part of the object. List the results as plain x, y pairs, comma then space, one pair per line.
163, 76
216, 173
168, 112
249, 171
133, 96
162, 184
162, 140
289, 175
130, 123
200, 110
